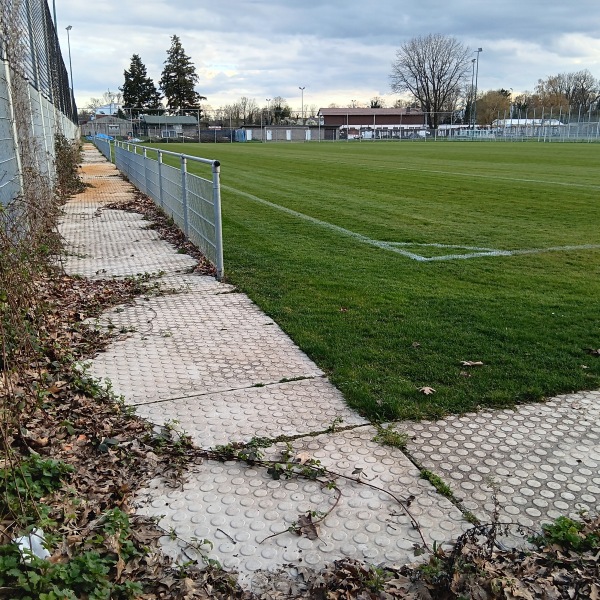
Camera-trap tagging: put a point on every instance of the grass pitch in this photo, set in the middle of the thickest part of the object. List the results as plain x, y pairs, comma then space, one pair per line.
391, 263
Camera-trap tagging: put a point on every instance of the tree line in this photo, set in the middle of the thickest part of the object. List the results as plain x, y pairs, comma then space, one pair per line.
438, 71
435, 71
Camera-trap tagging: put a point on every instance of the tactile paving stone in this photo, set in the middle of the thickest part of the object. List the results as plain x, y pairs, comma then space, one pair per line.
103, 243
111, 243
193, 284
292, 408
152, 264
185, 344
543, 458
236, 507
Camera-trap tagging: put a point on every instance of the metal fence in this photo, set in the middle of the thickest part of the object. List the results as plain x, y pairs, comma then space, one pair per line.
542, 124
104, 146
36, 101
194, 202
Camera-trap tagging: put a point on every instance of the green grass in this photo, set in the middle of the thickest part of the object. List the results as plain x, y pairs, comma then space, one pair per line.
356, 309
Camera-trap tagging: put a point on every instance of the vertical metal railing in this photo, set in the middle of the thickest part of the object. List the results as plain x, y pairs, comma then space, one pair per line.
193, 201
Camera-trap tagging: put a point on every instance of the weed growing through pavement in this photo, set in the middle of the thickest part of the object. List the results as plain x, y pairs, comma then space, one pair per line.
389, 436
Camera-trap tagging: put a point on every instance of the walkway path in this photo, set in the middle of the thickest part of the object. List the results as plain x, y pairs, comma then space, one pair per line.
206, 356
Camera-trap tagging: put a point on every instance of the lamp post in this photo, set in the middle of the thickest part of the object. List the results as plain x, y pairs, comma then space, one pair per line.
476, 75
302, 111
471, 94
268, 110
69, 46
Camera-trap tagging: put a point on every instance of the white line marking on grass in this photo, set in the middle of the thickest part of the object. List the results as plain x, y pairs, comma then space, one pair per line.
357, 236
396, 246
499, 177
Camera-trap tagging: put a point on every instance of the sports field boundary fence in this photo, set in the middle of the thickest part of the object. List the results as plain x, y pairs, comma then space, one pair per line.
192, 201
540, 124
36, 100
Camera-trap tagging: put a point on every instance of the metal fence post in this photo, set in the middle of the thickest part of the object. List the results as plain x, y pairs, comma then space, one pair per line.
146, 171
184, 195
160, 186
216, 169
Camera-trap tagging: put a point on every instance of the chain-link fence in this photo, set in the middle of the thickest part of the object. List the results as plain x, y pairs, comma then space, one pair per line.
36, 101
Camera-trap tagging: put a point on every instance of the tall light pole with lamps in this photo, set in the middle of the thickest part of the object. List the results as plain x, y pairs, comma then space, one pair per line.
268, 109
302, 111
69, 46
476, 76
472, 94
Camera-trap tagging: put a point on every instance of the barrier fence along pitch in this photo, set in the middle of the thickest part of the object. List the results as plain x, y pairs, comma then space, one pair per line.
192, 201
104, 147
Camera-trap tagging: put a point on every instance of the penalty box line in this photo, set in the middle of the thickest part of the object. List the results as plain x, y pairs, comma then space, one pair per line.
396, 247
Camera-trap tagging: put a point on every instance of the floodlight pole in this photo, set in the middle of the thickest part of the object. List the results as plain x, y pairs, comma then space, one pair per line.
302, 111
472, 92
69, 46
476, 76
268, 110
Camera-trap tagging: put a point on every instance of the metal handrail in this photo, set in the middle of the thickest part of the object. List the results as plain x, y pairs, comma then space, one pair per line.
215, 165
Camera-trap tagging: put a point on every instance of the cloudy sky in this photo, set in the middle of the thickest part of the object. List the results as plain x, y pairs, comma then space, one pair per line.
339, 50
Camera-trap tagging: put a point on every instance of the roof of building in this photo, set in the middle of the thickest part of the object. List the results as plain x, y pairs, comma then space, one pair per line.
108, 119
168, 120
369, 111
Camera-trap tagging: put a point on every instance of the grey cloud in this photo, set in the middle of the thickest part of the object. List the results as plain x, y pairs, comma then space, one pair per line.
333, 47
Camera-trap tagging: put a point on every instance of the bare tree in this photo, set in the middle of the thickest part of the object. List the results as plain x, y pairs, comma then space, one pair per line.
248, 110
569, 89
433, 69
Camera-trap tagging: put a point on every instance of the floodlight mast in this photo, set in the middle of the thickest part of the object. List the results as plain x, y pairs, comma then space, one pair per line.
302, 111
472, 94
476, 76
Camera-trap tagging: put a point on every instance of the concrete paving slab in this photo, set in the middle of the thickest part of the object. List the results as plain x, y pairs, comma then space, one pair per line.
183, 344
193, 283
289, 409
115, 243
544, 458
119, 267
237, 507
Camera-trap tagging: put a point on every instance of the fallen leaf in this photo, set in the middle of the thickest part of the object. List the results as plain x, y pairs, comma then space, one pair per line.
465, 374
306, 527
302, 457
593, 351
416, 345
56, 387
427, 390
471, 363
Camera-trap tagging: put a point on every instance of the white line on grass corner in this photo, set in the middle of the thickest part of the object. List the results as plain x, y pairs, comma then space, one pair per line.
396, 247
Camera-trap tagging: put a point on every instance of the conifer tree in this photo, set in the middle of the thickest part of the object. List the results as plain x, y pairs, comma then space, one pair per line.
139, 91
179, 78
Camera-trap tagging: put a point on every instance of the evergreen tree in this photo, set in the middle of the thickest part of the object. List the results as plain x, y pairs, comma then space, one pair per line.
179, 78
139, 91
